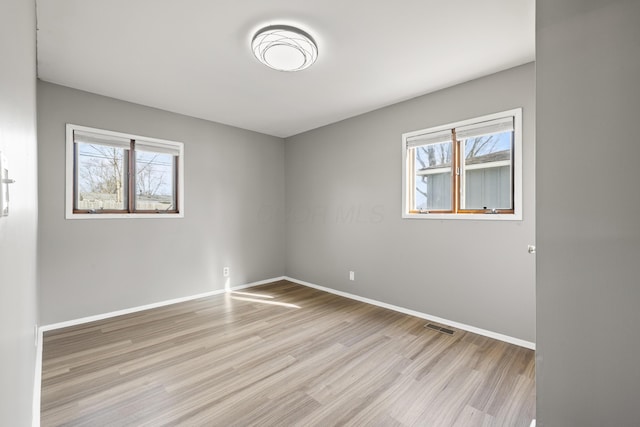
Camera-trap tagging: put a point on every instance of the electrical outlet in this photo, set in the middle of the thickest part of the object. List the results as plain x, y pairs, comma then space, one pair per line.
225, 272
352, 275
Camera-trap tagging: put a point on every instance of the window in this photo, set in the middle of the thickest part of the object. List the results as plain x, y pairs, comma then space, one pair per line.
115, 175
469, 169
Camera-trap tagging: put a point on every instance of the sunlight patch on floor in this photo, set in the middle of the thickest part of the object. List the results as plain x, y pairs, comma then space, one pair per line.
261, 301
249, 294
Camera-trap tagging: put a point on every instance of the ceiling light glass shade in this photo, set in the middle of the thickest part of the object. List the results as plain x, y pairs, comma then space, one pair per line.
284, 48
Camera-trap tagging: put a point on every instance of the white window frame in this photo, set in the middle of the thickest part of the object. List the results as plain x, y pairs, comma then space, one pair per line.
69, 214
517, 171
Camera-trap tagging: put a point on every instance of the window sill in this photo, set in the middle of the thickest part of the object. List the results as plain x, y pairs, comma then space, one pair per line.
473, 217
124, 216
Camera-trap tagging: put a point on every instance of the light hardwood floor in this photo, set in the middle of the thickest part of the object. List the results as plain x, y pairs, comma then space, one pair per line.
278, 355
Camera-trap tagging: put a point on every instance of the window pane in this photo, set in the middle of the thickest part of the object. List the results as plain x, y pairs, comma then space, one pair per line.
155, 181
101, 177
433, 176
486, 173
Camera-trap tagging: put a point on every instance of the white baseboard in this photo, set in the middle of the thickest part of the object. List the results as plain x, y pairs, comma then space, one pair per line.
37, 381
479, 331
102, 316
484, 332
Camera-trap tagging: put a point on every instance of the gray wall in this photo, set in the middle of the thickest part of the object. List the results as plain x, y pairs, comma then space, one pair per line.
588, 235
343, 197
89, 267
18, 231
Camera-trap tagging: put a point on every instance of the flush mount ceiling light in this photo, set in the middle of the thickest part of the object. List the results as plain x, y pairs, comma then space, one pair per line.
284, 48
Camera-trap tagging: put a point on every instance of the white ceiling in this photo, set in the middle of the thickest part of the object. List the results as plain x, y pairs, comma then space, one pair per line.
193, 56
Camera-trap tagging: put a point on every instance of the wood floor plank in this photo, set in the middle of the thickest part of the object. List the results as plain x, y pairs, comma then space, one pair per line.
280, 355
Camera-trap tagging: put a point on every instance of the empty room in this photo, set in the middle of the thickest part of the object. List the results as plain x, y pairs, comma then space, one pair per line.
287, 213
